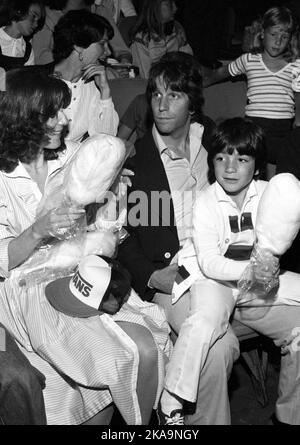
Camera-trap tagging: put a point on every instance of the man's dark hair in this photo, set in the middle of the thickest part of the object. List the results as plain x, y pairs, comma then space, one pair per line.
242, 135
30, 100
81, 28
180, 72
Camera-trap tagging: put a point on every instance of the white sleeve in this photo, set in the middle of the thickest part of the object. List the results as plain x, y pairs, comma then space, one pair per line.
103, 117
5, 237
207, 241
127, 8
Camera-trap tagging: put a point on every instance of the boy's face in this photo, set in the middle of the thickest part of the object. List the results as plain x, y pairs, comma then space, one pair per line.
234, 172
170, 110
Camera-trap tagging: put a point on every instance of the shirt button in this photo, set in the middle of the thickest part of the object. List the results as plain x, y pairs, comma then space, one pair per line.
167, 255
227, 240
70, 120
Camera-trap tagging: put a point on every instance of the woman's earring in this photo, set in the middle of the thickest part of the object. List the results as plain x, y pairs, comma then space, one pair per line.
80, 56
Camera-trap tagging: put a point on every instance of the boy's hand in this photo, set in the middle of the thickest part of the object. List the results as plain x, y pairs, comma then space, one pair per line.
163, 279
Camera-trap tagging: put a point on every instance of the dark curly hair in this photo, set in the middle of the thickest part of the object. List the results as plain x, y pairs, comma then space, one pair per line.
31, 98
17, 10
181, 72
242, 135
81, 28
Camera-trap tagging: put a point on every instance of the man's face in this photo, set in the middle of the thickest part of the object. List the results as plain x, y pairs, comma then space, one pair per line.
170, 109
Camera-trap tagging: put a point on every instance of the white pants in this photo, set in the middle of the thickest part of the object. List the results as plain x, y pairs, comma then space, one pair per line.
210, 309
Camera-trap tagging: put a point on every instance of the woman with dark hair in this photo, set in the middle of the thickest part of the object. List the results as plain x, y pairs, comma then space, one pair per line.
156, 33
80, 43
55, 10
81, 359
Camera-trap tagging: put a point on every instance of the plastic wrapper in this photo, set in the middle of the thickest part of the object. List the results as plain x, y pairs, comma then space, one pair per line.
259, 283
60, 258
84, 180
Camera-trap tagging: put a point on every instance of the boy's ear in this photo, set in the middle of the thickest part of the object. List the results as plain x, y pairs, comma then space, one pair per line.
257, 172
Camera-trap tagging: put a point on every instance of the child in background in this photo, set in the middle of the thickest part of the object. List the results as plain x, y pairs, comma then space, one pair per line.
223, 234
156, 33
270, 71
19, 20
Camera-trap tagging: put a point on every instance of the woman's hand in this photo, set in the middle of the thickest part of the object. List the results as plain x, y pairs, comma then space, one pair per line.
98, 73
53, 222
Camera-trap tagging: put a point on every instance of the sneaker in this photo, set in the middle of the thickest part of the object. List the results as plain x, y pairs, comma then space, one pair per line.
175, 418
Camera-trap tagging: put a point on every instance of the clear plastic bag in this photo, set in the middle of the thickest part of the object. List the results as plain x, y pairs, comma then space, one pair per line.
259, 283
84, 179
60, 257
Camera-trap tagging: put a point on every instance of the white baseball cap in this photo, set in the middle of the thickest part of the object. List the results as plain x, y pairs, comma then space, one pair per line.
81, 295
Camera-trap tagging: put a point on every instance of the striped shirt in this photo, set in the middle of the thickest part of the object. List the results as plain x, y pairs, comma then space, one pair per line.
88, 363
269, 95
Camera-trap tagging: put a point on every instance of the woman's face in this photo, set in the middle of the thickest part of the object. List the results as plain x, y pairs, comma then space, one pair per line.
167, 10
56, 126
98, 50
30, 22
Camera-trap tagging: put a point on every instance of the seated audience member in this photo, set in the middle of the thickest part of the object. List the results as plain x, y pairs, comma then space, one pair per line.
170, 165
225, 218
81, 358
138, 117
80, 41
19, 20
155, 34
43, 40
117, 8
21, 385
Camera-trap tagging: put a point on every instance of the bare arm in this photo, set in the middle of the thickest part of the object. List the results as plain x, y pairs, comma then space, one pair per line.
214, 76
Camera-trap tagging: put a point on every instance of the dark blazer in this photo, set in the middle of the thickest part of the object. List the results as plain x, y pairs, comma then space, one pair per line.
149, 247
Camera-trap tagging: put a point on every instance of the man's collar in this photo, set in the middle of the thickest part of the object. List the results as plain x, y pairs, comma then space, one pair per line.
195, 132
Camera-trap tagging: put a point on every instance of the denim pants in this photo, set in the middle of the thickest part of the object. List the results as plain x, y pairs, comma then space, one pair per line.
21, 396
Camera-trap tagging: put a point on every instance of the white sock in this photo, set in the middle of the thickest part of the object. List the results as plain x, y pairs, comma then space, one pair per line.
169, 402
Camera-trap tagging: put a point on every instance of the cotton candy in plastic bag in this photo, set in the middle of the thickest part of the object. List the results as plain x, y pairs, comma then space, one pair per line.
84, 179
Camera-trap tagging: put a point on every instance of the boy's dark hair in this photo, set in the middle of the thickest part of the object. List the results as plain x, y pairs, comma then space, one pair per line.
242, 135
120, 281
31, 98
17, 10
81, 28
181, 72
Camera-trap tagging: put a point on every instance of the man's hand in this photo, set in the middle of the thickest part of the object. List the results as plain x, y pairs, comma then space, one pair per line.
163, 279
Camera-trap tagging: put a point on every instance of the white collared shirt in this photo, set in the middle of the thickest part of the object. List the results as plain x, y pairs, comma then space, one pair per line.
185, 177
14, 47
218, 224
87, 112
